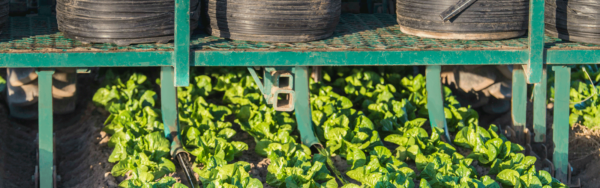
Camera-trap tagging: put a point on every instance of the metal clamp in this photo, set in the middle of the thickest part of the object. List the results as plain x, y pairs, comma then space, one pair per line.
277, 86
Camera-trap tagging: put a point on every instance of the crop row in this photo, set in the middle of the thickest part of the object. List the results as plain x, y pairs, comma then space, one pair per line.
352, 110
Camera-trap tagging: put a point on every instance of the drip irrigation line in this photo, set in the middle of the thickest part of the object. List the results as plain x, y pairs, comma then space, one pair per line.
271, 21
577, 20
464, 16
122, 22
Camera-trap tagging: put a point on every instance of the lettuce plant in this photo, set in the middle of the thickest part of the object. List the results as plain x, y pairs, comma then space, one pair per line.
383, 169
217, 173
140, 148
292, 166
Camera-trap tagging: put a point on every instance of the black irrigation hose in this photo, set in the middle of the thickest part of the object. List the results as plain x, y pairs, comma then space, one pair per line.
3, 13
464, 17
271, 20
577, 20
122, 22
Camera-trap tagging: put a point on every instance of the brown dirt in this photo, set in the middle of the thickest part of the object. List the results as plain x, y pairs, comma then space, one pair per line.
83, 152
584, 155
17, 153
81, 146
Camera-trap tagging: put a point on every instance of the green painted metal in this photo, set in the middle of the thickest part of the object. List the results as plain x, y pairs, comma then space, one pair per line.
569, 57
534, 68
256, 79
519, 102
351, 58
435, 100
181, 55
96, 59
302, 109
270, 86
562, 87
168, 107
45, 134
539, 109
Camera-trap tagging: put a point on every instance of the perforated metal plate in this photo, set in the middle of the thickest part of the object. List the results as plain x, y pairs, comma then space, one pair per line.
40, 33
553, 43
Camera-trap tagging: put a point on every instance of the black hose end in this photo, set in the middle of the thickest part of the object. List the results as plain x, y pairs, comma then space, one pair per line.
185, 165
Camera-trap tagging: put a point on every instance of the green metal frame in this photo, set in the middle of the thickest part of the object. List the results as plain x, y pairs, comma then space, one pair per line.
176, 63
562, 88
46, 133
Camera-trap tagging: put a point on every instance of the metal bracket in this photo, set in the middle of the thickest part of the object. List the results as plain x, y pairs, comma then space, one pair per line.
284, 80
277, 82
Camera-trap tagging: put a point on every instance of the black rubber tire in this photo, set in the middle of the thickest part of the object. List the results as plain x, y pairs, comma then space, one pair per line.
121, 22
577, 21
483, 16
271, 20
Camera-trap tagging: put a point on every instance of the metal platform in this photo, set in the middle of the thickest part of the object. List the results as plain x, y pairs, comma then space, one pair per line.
355, 32
359, 39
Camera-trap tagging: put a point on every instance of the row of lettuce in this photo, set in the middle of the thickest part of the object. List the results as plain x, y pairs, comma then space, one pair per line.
352, 110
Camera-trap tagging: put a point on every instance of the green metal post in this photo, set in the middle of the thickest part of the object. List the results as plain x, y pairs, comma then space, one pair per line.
302, 104
562, 87
435, 100
519, 102
181, 55
45, 134
536, 41
168, 99
539, 109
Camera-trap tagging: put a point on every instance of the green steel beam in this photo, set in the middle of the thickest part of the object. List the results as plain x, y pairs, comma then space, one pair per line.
95, 59
534, 68
519, 102
168, 107
348, 58
45, 134
566, 57
539, 109
435, 100
562, 87
302, 107
281, 58
181, 55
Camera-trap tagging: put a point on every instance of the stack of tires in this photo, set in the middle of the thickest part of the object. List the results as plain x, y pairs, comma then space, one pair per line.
271, 20
469, 20
573, 20
122, 22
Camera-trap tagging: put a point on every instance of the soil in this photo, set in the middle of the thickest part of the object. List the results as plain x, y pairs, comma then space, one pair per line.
584, 155
83, 152
17, 153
